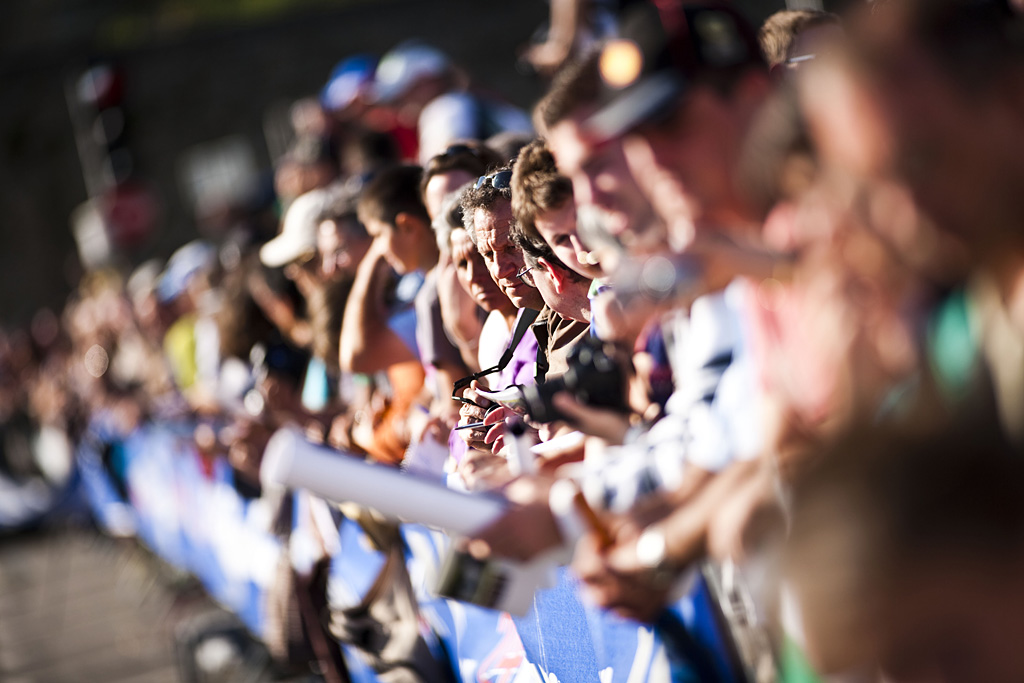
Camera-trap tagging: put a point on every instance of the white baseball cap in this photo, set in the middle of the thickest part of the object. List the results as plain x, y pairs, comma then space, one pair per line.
298, 230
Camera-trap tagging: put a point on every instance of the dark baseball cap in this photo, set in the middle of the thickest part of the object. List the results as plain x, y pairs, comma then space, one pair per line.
662, 50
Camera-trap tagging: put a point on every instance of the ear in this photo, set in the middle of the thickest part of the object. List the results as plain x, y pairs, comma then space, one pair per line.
408, 223
558, 277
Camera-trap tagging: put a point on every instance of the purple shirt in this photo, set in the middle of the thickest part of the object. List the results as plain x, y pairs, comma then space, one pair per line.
520, 370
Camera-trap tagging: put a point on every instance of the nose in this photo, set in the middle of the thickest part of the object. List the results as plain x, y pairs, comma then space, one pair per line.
474, 272
506, 267
578, 246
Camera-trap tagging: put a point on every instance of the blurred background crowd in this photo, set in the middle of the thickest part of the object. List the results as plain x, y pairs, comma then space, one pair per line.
712, 300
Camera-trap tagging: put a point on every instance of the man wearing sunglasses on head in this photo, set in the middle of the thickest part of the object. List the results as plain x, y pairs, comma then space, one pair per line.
525, 277
487, 214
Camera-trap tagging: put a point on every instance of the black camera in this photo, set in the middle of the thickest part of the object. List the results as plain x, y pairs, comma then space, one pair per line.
596, 377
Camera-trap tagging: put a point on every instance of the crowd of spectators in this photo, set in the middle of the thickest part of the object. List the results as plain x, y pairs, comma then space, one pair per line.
756, 299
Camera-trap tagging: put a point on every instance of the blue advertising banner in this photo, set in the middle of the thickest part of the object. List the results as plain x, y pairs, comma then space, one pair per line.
188, 511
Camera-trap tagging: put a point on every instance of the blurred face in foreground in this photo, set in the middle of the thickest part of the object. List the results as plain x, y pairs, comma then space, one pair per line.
955, 139
905, 552
939, 619
957, 623
687, 165
601, 178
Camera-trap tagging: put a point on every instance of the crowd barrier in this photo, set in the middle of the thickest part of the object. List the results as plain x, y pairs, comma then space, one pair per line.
49, 492
152, 483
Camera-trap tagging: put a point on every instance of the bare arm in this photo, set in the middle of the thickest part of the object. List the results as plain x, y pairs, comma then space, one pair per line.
459, 312
367, 343
616, 578
279, 311
565, 19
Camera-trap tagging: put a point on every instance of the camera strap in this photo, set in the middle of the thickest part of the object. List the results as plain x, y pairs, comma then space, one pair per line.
523, 324
526, 320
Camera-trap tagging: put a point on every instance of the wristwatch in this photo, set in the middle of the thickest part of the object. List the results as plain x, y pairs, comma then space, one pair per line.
651, 554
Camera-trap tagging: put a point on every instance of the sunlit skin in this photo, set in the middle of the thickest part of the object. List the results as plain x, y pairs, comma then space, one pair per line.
501, 256
404, 246
699, 148
600, 177
475, 278
339, 250
564, 294
558, 228
440, 186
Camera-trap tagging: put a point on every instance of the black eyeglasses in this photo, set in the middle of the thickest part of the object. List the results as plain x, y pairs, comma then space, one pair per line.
502, 180
525, 276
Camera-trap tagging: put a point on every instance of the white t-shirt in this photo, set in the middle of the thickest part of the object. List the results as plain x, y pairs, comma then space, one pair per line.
494, 338
711, 420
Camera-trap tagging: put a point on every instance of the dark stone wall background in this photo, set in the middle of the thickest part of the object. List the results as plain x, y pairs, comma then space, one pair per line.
187, 87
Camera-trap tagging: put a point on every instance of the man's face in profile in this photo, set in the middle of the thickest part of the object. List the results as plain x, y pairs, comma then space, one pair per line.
503, 258
600, 178
339, 249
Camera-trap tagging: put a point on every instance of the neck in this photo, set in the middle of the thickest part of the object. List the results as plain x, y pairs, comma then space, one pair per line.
575, 305
582, 314
510, 315
428, 258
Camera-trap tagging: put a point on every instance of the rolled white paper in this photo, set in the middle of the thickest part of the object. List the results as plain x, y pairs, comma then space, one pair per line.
291, 461
520, 458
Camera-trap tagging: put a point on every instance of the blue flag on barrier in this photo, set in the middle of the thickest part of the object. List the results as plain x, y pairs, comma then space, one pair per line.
191, 515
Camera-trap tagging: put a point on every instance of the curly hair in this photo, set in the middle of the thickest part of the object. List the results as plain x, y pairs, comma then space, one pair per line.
484, 197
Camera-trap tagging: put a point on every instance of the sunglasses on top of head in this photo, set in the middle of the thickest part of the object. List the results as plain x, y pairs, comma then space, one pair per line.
501, 180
